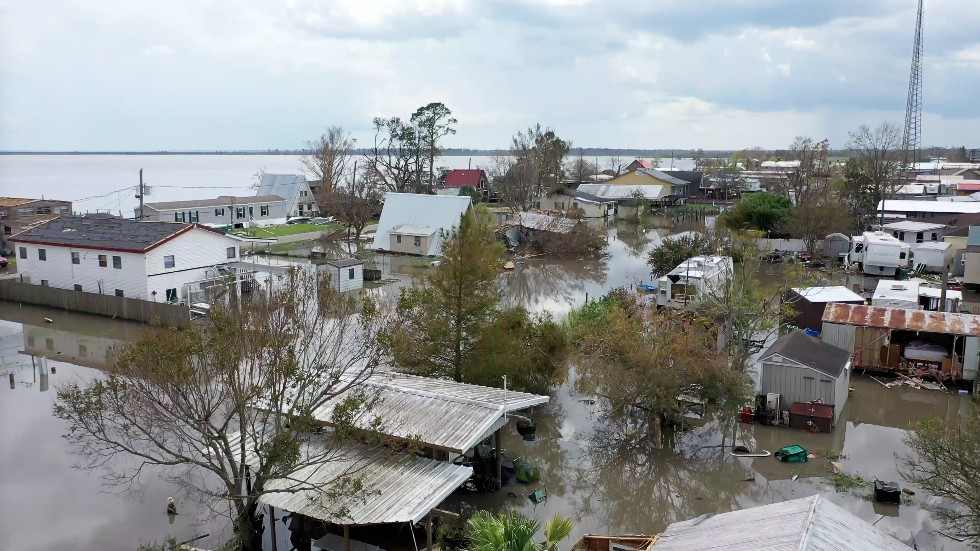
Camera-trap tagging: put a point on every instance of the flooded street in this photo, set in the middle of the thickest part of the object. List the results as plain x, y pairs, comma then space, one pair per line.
597, 473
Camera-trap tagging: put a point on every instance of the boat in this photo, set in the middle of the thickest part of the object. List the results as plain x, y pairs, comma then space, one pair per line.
742, 451
646, 288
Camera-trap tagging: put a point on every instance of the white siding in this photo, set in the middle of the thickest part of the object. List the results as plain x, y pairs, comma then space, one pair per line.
228, 214
971, 350
193, 252
340, 277
59, 271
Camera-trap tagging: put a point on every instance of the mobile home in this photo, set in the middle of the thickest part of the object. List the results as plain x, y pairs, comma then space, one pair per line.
933, 256
688, 283
877, 253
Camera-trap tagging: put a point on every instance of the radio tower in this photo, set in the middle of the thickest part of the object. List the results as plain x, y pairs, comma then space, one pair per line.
911, 141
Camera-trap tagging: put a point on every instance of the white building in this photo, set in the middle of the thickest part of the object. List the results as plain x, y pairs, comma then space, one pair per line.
237, 212
346, 274
915, 232
155, 261
294, 189
412, 223
693, 279
878, 253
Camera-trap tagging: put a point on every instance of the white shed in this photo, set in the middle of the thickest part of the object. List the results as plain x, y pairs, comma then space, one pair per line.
346, 274
934, 255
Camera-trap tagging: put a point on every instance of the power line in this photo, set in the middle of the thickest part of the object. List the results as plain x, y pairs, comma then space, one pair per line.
104, 195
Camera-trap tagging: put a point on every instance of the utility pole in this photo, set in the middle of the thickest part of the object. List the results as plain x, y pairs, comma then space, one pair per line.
141, 194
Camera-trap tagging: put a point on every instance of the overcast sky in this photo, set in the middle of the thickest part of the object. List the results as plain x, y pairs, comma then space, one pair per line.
246, 74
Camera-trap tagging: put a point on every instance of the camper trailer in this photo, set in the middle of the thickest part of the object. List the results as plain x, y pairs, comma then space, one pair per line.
687, 284
915, 294
877, 253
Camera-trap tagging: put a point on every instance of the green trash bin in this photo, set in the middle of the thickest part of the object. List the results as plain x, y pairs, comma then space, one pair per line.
792, 454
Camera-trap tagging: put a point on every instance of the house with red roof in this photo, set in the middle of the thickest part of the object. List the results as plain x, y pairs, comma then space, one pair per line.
474, 177
637, 164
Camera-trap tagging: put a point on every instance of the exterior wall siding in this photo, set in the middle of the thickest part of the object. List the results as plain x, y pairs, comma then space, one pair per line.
408, 244
340, 277
971, 268
801, 384
59, 271
194, 252
229, 216
841, 336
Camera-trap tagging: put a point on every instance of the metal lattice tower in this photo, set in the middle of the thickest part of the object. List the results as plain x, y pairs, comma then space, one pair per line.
912, 139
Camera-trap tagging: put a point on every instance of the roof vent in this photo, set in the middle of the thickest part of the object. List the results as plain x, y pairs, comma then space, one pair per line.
899, 287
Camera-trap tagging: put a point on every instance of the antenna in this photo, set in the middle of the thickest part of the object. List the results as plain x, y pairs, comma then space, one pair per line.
911, 141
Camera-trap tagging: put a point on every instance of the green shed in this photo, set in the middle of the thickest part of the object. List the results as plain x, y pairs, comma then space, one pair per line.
792, 454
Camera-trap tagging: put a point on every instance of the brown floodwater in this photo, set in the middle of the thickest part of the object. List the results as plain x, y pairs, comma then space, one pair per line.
607, 479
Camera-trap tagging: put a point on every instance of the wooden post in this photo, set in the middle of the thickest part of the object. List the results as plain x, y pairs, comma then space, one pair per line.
272, 526
499, 458
428, 532
346, 538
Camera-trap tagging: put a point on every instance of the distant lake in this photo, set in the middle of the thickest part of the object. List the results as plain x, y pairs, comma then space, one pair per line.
96, 178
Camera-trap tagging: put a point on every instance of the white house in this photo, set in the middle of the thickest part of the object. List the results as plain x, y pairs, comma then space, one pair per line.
412, 223
155, 261
346, 274
915, 232
260, 210
294, 189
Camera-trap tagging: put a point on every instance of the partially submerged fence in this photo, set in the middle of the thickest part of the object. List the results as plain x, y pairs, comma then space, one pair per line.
132, 309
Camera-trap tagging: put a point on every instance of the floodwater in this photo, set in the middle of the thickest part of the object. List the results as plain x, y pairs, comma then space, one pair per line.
600, 475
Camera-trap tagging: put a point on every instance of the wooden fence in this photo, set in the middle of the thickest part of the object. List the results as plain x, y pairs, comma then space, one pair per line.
132, 309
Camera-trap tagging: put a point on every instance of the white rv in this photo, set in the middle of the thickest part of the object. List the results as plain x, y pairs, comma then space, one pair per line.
877, 253
687, 284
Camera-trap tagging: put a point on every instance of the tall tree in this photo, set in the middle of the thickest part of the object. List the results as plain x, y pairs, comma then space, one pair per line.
186, 401
357, 204
432, 123
394, 159
581, 169
762, 211
536, 167
328, 159
857, 193
879, 152
453, 324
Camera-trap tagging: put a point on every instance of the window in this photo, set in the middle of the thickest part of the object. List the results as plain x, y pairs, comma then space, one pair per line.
49, 344
103, 261
901, 256
918, 237
418, 241
28, 211
219, 212
62, 210
44, 283
231, 252
82, 350
30, 341
171, 295
264, 210
302, 194
240, 212
119, 292
251, 212
195, 216
398, 239
168, 261
44, 210
934, 236
901, 236
42, 254
78, 287
76, 258
117, 262
23, 252
350, 273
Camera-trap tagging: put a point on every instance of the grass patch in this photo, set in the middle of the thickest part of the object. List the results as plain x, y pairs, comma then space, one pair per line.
831, 455
844, 482
285, 229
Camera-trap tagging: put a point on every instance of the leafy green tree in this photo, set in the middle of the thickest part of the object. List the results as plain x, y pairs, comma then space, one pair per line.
671, 252
512, 531
765, 211
944, 462
857, 192
471, 192
452, 324
186, 402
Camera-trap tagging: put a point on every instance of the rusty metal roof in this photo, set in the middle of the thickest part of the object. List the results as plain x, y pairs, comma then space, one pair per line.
14, 201
898, 318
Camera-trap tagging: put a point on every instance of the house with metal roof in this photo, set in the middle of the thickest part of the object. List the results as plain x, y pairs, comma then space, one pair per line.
577, 202
294, 189
223, 211
413, 223
803, 369
806, 524
913, 232
944, 345
154, 261
651, 176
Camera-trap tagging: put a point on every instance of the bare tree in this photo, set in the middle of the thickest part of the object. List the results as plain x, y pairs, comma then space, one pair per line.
879, 151
538, 157
581, 169
616, 165
225, 409
432, 123
357, 203
394, 157
328, 160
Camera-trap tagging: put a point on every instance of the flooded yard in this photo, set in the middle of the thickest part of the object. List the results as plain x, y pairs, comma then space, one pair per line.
605, 478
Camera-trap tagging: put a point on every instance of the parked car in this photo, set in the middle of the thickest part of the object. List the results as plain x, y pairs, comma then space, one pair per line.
298, 220
323, 220
3, 261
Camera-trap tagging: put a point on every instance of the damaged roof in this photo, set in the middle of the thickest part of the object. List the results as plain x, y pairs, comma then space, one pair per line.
897, 318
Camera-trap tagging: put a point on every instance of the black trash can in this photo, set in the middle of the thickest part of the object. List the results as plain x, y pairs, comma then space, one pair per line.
888, 492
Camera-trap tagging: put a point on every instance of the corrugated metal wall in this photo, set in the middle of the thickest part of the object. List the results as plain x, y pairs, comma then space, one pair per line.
841, 336
799, 384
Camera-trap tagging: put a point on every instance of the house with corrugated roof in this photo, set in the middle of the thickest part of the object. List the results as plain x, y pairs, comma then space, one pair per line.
576, 203
294, 189
674, 187
413, 223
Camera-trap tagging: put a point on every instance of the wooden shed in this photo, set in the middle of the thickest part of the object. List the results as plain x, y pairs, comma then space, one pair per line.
801, 368
809, 303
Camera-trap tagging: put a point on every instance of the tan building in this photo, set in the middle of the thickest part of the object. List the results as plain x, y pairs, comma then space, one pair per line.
576, 204
651, 176
18, 214
407, 239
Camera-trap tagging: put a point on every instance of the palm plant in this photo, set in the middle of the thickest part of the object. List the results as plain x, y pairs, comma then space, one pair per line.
512, 531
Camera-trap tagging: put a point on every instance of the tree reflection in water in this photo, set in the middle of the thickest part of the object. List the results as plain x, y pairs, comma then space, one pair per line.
563, 281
